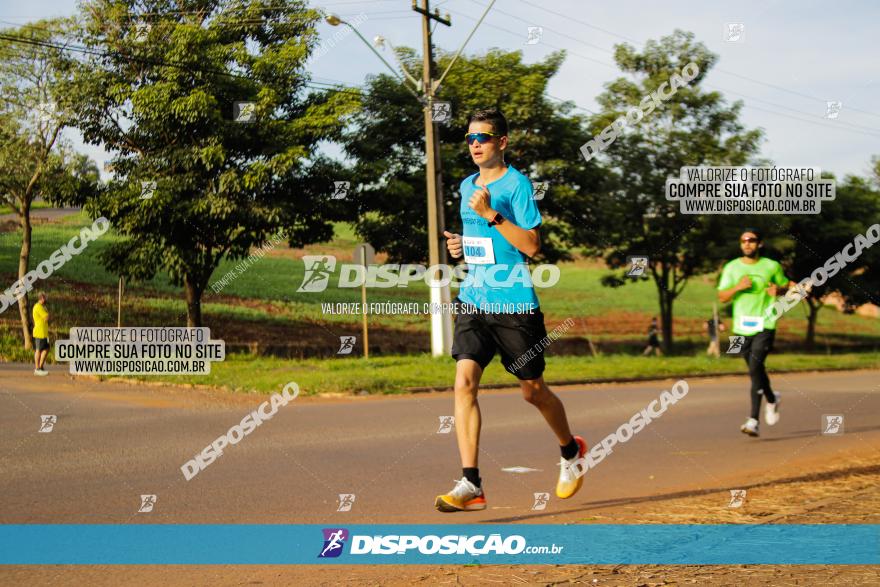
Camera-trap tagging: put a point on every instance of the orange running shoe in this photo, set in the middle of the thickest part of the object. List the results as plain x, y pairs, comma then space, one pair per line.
569, 478
464, 497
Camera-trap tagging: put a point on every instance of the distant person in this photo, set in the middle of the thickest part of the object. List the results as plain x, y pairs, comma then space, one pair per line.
752, 283
41, 335
653, 339
714, 350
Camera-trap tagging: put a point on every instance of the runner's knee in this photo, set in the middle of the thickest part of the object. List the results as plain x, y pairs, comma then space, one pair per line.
466, 384
534, 391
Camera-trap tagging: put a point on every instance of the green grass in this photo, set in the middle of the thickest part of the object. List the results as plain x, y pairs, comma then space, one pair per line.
389, 375
270, 278
275, 278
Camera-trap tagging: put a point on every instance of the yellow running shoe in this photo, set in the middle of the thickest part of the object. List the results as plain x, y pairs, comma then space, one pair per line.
569, 479
464, 497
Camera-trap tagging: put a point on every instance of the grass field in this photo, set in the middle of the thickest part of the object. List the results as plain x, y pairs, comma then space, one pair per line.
389, 375
261, 311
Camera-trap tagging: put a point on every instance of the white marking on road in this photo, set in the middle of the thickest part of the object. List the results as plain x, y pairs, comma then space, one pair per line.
519, 470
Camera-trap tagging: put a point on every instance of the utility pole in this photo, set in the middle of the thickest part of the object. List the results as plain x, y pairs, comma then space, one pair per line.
119, 303
441, 323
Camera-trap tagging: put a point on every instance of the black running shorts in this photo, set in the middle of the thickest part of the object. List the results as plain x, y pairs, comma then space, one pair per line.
516, 336
41, 344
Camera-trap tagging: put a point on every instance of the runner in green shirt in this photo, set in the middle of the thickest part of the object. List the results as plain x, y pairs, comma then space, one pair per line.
753, 282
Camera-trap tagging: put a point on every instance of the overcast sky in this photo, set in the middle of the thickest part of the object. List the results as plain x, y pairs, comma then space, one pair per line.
792, 57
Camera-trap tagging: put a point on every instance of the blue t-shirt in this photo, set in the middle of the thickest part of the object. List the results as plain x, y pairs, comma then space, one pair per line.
498, 279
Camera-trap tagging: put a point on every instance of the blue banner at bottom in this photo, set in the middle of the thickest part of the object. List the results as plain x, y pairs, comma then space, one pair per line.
138, 544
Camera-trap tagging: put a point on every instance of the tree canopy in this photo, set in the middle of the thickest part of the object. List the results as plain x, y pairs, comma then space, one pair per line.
213, 130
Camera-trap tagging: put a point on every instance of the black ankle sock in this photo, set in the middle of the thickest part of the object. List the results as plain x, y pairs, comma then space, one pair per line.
472, 474
570, 450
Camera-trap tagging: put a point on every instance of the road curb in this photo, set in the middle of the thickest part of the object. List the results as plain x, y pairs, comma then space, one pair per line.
601, 380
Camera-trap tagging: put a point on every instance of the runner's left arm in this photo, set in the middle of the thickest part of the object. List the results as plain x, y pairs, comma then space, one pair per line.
779, 283
727, 287
528, 241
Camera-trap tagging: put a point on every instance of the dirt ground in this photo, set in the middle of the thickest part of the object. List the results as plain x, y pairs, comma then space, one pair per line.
841, 493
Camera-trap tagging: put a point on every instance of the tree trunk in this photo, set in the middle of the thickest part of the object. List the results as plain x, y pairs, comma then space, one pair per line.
23, 261
666, 300
665, 297
811, 322
193, 302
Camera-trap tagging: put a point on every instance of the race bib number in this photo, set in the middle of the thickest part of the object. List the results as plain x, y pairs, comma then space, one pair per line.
750, 324
478, 250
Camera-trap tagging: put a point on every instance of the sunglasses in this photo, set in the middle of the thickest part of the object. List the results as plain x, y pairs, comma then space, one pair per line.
480, 137
748, 239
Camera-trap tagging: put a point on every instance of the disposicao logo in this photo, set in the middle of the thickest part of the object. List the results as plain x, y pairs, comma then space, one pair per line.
320, 268
334, 540
451, 544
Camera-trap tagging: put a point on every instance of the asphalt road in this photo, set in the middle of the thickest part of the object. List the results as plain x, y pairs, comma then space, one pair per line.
114, 442
41, 214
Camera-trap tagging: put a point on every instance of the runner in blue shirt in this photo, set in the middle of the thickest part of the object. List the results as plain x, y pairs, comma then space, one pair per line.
498, 309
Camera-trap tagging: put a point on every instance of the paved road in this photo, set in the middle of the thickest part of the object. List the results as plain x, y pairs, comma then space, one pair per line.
113, 442
41, 214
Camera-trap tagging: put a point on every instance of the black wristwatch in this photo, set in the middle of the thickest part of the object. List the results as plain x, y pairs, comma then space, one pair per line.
497, 220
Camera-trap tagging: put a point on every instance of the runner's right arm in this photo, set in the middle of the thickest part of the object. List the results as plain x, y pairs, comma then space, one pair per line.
727, 289
453, 244
725, 295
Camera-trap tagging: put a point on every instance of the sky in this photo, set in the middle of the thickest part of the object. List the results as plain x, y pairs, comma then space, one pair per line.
791, 58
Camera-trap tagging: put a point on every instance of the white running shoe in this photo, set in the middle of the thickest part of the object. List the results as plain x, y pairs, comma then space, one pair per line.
464, 497
571, 477
771, 412
41, 372
750, 427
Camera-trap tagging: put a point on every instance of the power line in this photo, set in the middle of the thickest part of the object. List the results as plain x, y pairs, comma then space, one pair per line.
358, 89
816, 122
354, 90
356, 2
834, 124
542, 42
780, 88
185, 67
569, 18
854, 127
572, 102
560, 33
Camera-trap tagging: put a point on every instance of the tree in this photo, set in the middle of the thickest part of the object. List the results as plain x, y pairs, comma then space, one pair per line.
389, 168
629, 215
193, 183
35, 162
810, 239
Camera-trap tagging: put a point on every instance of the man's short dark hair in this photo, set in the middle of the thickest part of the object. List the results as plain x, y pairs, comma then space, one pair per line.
755, 232
493, 116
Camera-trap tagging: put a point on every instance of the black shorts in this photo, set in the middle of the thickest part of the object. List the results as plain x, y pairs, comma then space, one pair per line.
758, 346
516, 336
41, 344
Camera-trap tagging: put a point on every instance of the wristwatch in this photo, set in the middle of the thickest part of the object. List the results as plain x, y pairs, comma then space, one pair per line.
498, 219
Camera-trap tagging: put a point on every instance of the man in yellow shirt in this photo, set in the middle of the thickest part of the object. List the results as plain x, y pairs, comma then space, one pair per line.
41, 335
